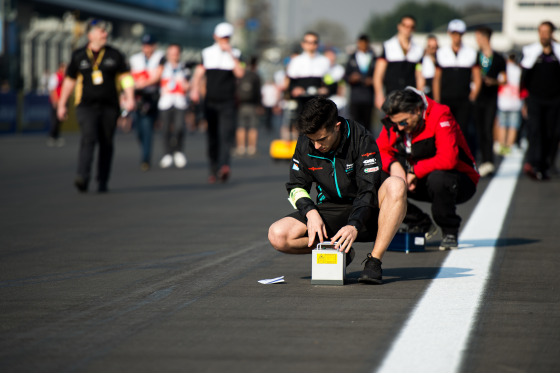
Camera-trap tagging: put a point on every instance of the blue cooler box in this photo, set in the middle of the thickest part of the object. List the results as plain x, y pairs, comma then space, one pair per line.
408, 242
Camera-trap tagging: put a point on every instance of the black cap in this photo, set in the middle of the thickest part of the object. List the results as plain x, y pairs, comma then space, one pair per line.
149, 39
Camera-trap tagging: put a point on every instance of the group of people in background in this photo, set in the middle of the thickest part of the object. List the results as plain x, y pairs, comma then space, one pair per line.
486, 94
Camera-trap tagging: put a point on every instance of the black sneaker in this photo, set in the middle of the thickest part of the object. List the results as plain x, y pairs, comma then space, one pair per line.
81, 184
431, 232
350, 256
426, 226
372, 272
449, 242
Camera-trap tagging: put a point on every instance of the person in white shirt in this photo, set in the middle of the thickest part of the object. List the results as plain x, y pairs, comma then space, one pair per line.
145, 67
306, 72
172, 106
221, 65
396, 68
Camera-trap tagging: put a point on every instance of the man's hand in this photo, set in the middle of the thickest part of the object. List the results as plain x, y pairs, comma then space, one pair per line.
345, 238
411, 180
61, 112
315, 226
298, 91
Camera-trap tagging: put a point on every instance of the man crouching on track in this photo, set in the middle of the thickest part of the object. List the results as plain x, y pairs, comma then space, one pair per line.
353, 202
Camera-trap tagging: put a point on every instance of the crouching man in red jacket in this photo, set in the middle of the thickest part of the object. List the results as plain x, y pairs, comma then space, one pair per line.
422, 143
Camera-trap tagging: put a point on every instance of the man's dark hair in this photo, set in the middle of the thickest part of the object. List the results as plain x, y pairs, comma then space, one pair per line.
549, 24
317, 113
402, 101
312, 33
485, 30
364, 38
409, 16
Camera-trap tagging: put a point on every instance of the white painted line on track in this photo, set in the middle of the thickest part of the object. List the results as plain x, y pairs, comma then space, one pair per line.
436, 334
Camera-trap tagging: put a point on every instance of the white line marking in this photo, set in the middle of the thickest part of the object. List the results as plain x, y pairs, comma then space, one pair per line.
436, 334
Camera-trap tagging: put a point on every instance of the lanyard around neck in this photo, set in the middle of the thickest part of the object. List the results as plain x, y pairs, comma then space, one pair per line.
95, 64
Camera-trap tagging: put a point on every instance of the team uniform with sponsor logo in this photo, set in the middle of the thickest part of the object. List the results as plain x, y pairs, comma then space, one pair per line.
441, 160
97, 106
220, 109
347, 181
456, 76
307, 71
401, 67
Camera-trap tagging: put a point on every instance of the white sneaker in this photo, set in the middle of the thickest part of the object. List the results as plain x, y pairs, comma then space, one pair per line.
166, 161
179, 159
486, 169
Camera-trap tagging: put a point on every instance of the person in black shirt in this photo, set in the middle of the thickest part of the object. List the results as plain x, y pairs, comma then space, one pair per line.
396, 68
222, 67
353, 201
493, 70
540, 76
456, 69
359, 75
93, 71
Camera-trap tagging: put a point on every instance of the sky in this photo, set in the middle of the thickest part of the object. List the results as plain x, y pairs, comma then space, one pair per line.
354, 14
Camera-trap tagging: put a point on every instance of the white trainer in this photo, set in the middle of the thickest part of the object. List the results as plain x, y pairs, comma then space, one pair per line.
486, 168
166, 161
179, 159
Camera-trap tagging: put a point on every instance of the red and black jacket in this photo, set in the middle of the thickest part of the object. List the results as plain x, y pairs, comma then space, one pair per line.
439, 145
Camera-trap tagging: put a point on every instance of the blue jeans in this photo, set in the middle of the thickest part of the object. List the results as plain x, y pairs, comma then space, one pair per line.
145, 129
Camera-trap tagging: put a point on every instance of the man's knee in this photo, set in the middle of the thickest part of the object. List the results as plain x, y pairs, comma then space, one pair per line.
395, 189
277, 236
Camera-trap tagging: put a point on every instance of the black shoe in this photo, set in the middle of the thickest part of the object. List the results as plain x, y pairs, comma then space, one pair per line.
350, 256
425, 225
431, 232
449, 242
81, 184
102, 188
372, 272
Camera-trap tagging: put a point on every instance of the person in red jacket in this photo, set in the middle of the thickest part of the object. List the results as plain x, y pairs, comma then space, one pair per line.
422, 143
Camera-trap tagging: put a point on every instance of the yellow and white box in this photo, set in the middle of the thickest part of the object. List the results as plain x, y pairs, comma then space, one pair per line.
328, 265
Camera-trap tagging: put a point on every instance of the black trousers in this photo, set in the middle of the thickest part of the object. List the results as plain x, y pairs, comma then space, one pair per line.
54, 131
462, 110
444, 189
221, 117
362, 113
173, 121
484, 116
543, 128
97, 125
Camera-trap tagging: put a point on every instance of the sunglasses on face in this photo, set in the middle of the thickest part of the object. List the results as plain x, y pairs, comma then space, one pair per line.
387, 122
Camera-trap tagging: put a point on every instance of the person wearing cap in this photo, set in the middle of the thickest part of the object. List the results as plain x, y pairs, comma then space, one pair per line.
493, 70
456, 68
146, 68
222, 67
93, 71
422, 143
540, 76
397, 66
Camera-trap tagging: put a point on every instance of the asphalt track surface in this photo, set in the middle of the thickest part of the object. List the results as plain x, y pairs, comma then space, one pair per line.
161, 274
